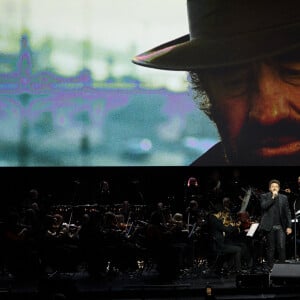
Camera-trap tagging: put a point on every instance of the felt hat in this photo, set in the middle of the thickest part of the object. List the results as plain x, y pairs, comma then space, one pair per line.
228, 32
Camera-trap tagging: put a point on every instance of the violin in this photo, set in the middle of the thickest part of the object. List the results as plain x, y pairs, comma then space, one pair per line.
228, 220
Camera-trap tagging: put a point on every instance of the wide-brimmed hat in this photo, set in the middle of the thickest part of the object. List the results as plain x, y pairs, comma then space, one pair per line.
228, 32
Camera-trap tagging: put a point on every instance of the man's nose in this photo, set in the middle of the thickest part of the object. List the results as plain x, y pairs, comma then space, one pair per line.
270, 103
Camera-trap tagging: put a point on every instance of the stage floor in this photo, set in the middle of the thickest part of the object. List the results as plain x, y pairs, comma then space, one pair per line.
190, 284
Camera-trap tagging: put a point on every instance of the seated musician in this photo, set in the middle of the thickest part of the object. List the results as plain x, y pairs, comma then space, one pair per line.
193, 214
117, 250
241, 221
158, 240
60, 249
221, 244
182, 242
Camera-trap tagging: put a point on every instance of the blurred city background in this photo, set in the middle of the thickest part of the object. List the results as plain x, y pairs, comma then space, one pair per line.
70, 95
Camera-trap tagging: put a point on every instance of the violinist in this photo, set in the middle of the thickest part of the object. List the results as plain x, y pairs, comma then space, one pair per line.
57, 228
219, 233
237, 237
117, 250
242, 221
193, 214
73, 231
227, 214
182, 242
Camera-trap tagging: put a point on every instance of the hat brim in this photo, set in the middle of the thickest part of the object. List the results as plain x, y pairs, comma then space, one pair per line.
183, 54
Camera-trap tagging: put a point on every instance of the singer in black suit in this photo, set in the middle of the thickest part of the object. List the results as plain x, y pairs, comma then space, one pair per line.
275, 221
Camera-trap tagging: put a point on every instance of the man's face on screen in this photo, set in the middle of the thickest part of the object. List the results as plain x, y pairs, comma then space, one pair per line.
257, 111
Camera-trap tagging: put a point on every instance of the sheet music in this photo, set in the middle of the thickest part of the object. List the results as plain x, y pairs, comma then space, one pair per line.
252, 229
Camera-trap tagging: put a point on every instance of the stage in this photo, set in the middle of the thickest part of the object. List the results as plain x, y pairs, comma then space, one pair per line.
146, 284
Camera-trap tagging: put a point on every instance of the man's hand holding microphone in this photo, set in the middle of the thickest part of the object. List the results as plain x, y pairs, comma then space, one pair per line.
274, 194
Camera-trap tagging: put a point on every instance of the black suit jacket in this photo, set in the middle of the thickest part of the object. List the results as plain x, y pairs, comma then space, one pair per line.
266, 202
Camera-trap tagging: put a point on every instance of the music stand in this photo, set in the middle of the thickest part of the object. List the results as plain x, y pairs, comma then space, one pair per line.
296, 216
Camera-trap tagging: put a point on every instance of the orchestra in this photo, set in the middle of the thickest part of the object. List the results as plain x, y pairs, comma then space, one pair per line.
103, 235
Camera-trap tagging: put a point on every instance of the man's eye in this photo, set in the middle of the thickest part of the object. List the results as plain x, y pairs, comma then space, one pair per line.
290, 72
290, 75
231, 82
235, 86
235, 82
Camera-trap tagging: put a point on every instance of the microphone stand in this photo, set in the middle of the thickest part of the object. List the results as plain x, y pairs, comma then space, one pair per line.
295, 231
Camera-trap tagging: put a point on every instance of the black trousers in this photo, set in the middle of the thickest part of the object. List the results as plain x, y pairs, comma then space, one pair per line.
235, 252
275, 242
